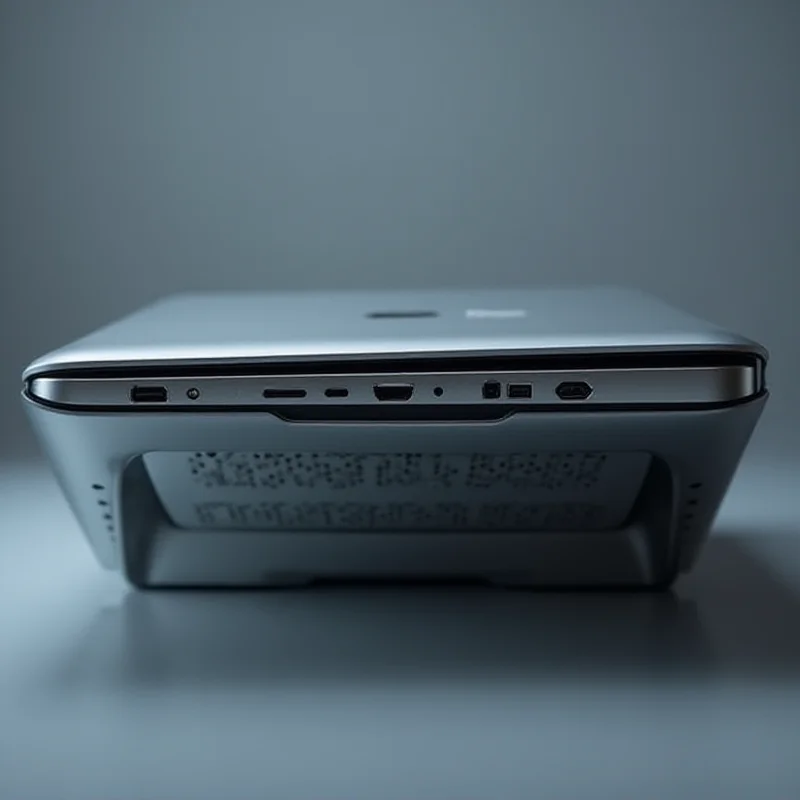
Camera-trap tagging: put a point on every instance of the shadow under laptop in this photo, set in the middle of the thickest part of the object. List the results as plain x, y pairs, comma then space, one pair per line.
733, 618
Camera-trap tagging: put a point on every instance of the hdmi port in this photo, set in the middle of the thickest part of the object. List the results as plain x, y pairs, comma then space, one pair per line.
393, 392
573, 390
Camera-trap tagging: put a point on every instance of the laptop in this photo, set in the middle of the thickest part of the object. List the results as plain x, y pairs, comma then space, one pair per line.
559, 437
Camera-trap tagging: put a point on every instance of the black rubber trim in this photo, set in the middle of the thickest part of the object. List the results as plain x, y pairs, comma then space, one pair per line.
573, 363
480, 412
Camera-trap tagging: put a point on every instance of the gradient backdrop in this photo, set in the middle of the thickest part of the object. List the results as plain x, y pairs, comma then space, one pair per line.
152, 146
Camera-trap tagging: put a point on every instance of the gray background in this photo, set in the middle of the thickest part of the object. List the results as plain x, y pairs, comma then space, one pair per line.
162, 145
149, 146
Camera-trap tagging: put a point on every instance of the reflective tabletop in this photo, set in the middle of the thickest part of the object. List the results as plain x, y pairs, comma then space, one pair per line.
378, 691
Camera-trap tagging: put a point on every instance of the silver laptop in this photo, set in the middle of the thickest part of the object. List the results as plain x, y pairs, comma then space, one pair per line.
543, 438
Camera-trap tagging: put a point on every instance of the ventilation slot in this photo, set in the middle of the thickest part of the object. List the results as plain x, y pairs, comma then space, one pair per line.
691, 508
104, 509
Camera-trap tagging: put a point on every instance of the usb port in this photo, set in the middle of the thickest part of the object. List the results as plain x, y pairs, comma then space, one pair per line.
149, 394
520, 391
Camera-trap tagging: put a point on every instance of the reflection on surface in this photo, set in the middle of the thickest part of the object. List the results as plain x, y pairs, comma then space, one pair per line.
731, 618
389, 634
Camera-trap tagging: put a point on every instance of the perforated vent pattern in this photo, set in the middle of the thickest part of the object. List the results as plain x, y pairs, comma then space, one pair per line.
102, 499
693, 510
340, 471
398, 516
398, 491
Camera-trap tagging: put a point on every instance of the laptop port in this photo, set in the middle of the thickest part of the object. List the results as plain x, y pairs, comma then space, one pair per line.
393, 392
520, 391
492, 390
149, 394
275, 393
573, 390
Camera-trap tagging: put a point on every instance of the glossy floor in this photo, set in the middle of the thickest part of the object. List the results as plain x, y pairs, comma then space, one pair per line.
382, 692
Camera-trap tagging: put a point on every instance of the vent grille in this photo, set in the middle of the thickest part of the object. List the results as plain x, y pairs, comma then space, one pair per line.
398, 491
692, 507
343, 471
103, 503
